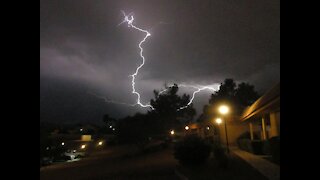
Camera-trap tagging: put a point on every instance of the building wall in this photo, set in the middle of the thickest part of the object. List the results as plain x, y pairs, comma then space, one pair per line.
234, 130
86, 138
278, 121
274, 124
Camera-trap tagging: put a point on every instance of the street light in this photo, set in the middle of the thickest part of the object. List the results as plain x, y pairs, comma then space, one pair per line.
187, 128
218, 121
223, 109
172, 132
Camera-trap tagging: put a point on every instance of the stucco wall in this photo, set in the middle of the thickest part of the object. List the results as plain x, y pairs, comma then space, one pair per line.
234, 130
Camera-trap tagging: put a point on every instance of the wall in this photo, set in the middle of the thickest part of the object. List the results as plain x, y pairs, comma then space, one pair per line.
234, 129
275, 124
86, 138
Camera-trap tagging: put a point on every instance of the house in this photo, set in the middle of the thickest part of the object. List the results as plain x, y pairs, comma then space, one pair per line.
263, 120
256, 130
206, 130
263, 116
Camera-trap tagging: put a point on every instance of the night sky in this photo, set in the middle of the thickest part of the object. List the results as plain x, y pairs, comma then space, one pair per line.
83, 51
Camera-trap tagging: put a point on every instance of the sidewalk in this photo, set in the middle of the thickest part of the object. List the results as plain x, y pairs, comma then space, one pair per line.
238, 169
268, 169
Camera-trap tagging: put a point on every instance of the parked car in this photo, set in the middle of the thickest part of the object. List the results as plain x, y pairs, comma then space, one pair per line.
74, 154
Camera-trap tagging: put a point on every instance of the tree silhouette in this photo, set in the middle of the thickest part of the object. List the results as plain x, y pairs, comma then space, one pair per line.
245, 94
167, 108
226, 92
237, 96
138, 129
110, 123
108, 120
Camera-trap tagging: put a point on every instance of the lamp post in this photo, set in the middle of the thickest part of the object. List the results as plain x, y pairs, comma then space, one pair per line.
219, 121
223, 109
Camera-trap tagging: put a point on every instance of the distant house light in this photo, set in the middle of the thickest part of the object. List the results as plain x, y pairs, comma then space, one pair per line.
86, 137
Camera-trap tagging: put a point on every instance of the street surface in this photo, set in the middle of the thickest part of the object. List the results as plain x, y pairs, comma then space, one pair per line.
115, 163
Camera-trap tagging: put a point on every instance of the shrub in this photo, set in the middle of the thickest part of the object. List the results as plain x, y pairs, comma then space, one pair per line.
266, 148
192, 150
245, 144
257, 147
275, 148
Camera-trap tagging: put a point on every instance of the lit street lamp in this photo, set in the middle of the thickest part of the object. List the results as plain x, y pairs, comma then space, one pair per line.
187, 128
223, 109
218, 121
172, 132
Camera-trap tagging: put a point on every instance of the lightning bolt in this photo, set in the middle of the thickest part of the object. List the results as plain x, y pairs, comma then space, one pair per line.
162, 91
129, 20
199, 89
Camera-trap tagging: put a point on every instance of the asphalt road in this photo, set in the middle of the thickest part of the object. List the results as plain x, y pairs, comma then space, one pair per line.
115, 163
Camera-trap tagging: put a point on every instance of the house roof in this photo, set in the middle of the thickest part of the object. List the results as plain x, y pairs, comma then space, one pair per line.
269, 102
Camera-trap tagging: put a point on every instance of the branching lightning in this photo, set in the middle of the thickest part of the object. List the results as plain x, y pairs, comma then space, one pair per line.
198, 89
129, 20
201, 88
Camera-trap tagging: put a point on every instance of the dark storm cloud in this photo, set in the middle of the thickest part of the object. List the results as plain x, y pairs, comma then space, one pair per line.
192, 41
